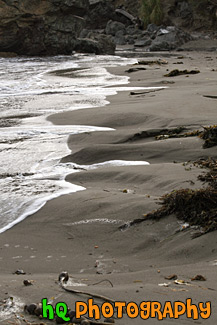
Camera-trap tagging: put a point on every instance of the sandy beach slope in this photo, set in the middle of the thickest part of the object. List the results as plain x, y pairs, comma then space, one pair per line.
80, 232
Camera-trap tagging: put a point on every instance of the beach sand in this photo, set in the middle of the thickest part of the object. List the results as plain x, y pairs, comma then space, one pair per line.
136, 260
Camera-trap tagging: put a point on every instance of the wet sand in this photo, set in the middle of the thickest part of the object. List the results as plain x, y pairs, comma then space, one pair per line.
80, 232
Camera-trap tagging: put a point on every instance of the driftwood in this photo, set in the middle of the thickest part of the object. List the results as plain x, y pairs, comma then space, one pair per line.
87, 294
126, 14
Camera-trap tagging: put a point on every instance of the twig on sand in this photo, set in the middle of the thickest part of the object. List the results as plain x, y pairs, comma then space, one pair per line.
87, 294
93, 284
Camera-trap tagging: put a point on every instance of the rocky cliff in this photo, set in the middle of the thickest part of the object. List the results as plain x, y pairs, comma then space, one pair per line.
51, 27
46, 27
199, 15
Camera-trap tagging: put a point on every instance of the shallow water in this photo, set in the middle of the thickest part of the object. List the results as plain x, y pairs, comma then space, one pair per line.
31, 148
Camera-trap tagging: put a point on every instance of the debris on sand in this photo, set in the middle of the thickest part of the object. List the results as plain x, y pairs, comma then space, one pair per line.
196, 207
211, 176
177, 72
151, 62
171, 277
154, 133
63, 277
198, 277
19, 272
27, 283
209, 134
134, 70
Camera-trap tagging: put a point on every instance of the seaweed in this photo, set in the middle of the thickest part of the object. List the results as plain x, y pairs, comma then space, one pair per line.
196, 207
209, 134
211, 176
178, 72
151, 62
154, 133
134, 70
178, 135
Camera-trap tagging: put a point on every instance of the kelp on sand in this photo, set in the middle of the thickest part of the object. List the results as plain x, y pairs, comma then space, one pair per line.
195, 207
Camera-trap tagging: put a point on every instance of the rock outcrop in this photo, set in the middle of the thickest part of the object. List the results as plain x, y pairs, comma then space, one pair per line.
51, 27
43, 27
191, 15
154, 38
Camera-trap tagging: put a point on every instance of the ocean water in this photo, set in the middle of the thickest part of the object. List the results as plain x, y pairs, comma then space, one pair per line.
30, 146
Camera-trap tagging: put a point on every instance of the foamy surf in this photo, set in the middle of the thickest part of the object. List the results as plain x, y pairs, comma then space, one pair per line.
31, 150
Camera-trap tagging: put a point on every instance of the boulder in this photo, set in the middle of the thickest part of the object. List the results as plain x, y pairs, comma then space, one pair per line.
169, 38
95, 43
113, 27
99, 13
142, 43
152, 28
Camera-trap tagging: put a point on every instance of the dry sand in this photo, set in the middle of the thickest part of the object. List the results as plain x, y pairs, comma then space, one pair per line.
136, 260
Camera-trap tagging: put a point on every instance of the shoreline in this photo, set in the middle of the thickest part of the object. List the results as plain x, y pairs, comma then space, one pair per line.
34, 128
136, 260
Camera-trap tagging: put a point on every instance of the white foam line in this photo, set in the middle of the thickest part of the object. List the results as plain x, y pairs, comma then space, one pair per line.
97, 220
66, 186
39, 203
110, 163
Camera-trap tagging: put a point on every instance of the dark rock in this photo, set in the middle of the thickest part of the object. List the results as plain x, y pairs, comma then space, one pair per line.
59, 320
30, 308
131, 30
121, 40
71, 314
96, 43
113, 27
7, 55
145, 33
129, 39
63, 277
152, 28
142, 43
120, 33
38, 311
161, 46
27, 282
84, 33
169, 38
41, 27
99, 13
194, 15
19, 272
185, 10
106, 45
87, 45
